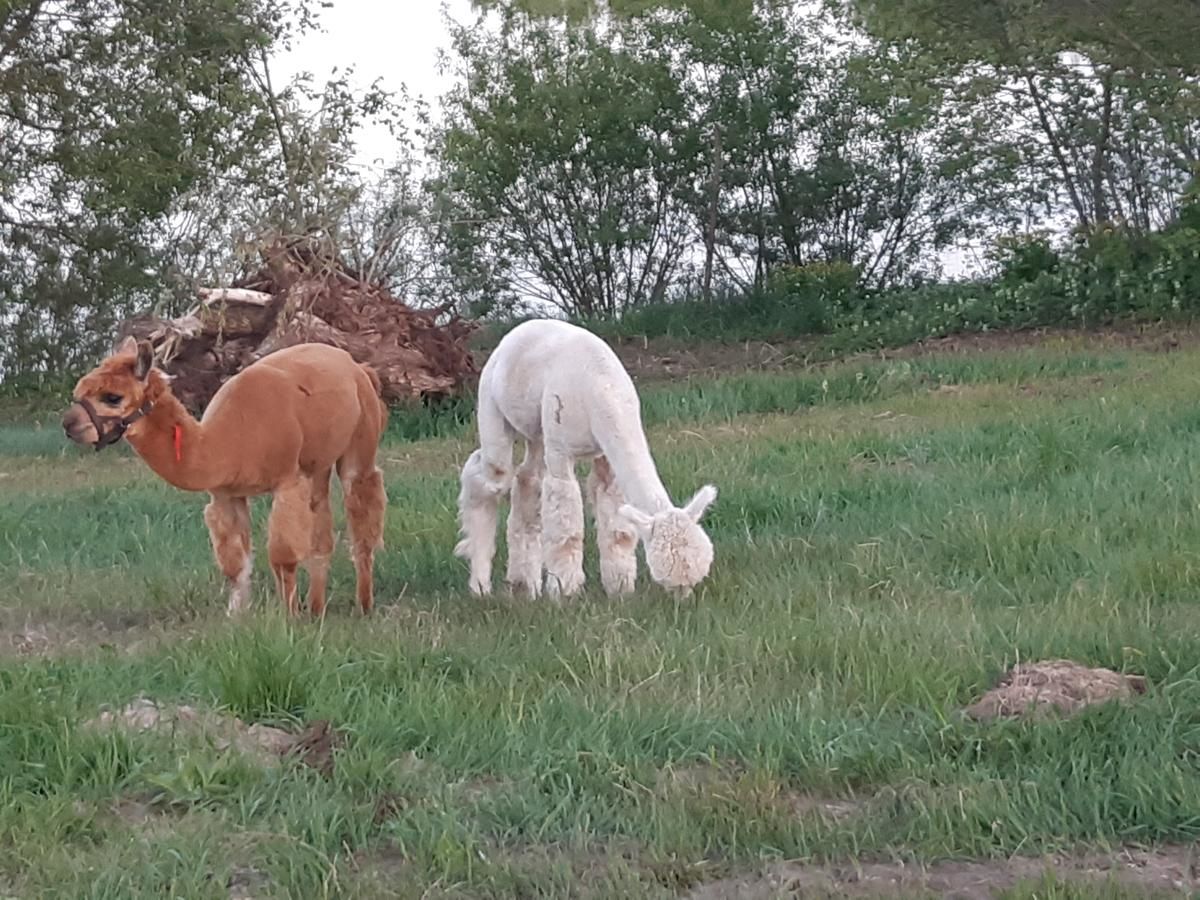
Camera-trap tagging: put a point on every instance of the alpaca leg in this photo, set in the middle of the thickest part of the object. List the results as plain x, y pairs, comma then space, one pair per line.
478, 515
321, 549
228, 521
616, 540
486, 477
525, 524
289, 536
366, 506
562, 527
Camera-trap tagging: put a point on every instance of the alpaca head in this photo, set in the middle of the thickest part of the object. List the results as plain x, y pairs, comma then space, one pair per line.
678, 552
114, 395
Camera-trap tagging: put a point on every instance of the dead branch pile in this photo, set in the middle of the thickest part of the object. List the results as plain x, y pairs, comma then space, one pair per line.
304, 292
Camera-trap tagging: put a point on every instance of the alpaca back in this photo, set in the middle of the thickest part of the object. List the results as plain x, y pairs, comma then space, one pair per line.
304, 402
546, 357
560, 382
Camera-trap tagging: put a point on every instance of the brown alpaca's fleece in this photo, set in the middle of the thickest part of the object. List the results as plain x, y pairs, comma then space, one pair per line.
280, 426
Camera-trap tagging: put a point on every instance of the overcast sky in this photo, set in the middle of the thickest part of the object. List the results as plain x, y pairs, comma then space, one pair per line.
397, 42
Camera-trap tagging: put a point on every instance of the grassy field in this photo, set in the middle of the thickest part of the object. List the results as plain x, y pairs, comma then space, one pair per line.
890, 537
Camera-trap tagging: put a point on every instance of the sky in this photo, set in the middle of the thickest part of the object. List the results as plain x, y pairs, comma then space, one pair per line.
396, 42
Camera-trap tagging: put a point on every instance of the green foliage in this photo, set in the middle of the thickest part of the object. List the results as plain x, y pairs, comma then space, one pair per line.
1189, 209
1022, 258
581, 10
198, 780
580, 163
414, 423
149, 150
820, 293
796, 301
273, 677
1151, 35
562, 154
1103, 276
108, 121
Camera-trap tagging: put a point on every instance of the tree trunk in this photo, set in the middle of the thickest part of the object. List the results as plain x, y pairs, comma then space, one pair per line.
1100, 212
710, 233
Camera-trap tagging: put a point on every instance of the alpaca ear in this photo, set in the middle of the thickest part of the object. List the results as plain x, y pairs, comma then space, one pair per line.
145, 360
700, 502
127, 347
638, 519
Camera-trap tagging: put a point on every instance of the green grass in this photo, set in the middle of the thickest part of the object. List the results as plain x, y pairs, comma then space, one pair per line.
889, 539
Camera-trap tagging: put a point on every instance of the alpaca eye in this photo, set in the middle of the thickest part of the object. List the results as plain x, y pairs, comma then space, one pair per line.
111, 399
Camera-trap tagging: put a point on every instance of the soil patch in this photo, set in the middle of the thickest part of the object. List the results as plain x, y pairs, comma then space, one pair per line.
1152, 338
666, 359
145, 817
313, 746
659, 359
1169, 870
246, 882
711, 778
1053, 686
129, 633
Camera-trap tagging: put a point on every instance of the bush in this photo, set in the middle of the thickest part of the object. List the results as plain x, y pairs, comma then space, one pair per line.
796, 301
813, 298
1101, 276
1024, 258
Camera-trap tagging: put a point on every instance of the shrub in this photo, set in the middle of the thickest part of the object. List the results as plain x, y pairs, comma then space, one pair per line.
1024, 258
813, 298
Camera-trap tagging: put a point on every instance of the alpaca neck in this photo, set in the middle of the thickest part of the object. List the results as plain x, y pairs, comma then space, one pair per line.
633, 467
171, 443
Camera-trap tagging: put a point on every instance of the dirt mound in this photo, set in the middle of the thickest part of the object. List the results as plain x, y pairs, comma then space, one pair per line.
1053, 686
303, 292
313, 746
1170, 870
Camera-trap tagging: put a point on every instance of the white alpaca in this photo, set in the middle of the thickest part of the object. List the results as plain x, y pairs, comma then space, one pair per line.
564, 391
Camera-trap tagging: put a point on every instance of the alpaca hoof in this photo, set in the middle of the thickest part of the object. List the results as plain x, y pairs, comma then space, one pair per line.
562, 588
524, 590
480, 588
620, 586
239, 602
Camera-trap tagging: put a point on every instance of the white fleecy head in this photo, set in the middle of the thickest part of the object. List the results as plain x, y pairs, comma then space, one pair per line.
678, 552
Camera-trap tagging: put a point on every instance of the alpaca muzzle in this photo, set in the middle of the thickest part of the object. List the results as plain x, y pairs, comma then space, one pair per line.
109, 429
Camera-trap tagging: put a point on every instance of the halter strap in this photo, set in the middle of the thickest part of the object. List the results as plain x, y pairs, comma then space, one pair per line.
116, 432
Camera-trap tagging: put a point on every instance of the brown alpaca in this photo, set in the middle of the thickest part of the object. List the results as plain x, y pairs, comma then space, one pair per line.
280, 426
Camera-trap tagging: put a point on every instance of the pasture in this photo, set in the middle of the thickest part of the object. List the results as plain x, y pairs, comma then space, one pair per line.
890, 537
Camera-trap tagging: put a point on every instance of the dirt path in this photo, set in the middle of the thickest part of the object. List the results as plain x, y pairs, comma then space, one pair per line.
1165, 870
669, 358
666, 359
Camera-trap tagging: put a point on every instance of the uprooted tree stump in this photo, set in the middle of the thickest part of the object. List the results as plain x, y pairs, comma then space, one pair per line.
304, 293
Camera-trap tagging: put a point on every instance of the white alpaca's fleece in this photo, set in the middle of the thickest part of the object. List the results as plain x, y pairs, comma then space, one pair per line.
565, 393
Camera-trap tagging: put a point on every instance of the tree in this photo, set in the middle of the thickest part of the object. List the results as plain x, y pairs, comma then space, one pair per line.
1104, 91
303, 179
582, 10
560, 164
111, 110
834, 147
1144, 35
